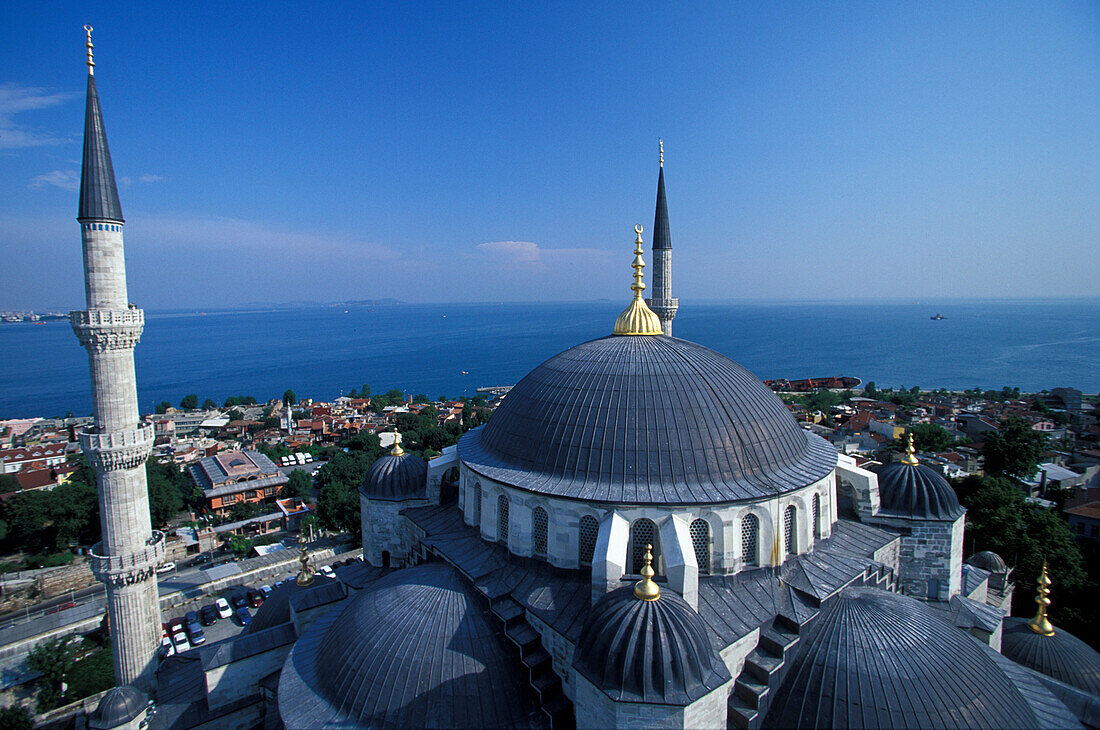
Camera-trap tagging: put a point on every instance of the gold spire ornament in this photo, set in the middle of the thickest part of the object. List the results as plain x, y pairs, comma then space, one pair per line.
638, 319
305, 573
646, 589
396, 450
661, 150
1041, 624
910, 457
88, 45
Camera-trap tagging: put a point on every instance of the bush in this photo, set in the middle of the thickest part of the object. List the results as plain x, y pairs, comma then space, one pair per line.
94, 673
16, 718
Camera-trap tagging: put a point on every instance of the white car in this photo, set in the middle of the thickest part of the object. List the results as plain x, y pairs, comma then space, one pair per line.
180, 642
326, 570
224, 611
166, 568
166, 648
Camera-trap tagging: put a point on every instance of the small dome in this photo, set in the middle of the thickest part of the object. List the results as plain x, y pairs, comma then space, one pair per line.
648, 651
989, 561
646, 420
884, 660
1062, 656
416, 649
396, 477
119, 706
916, 491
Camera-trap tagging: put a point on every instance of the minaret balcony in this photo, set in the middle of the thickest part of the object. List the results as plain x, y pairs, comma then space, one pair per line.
120, 570
108, 329
119, 449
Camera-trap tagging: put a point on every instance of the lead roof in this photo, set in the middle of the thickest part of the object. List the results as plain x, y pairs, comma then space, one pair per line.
1062, 656
646, 420
916, 491
98, 192
661, 236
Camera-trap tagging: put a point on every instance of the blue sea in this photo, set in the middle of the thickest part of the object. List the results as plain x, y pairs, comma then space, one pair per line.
324, 351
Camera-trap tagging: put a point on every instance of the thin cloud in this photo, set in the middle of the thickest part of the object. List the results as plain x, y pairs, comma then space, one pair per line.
15, 100
526, 254
150, 178
64, 179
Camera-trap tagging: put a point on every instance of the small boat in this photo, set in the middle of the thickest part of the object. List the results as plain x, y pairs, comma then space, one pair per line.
937, 315
465, 372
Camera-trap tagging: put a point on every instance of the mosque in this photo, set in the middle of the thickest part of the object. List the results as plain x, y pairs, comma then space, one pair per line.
641, 536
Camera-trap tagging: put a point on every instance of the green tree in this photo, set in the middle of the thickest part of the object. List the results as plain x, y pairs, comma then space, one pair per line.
167, 490
16, 717
163, 406
53, 659
209, 405
338, 491
289, 398
926, 437
300, 485
244, 511
8, 483
1015, 450
869, 390
189, 402
421, 398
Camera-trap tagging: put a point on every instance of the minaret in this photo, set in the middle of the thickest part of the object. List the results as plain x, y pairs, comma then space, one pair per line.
118, 444
662, 302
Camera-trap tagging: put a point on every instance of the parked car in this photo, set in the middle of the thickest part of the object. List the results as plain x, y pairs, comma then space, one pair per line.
209, 615
179, 641
326, 570
238, 602
224, 611
166, 648
243, 616
175, 625
166, 568
195, 634
266, 590
255, 598
203, 558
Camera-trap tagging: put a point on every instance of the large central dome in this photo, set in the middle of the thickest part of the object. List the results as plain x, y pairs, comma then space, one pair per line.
646, 420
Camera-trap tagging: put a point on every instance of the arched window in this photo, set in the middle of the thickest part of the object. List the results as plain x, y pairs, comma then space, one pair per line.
502, 519
589, 530
750, 539
817, 516
643, 532
700, 540
788, 530
475, 508
538, 531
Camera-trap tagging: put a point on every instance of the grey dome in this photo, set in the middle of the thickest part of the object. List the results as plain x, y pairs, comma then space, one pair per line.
989, 561
874, 659
119, 706
646, 420
648, 651
1062, 656
416, 649
916, 491
396, 478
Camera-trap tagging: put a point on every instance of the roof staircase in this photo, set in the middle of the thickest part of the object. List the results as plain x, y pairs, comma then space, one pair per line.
763, 672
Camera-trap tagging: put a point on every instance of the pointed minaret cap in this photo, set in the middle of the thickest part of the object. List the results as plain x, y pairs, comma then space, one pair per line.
646, 589
98, 191
910, 454
1041, 624
638, 319
662, 237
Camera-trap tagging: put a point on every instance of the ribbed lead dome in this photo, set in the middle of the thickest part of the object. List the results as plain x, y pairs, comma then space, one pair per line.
646, 420
916, 491
117, 707
989, 561
416, 649
648, 651
875, 659
396, 477
1062, 656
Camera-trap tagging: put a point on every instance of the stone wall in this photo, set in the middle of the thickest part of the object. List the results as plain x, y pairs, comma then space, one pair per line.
930, 557
386, 531
237, 680
62, 580
594, 709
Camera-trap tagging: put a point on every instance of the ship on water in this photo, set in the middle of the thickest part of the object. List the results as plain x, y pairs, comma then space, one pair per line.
937, 315
807, 385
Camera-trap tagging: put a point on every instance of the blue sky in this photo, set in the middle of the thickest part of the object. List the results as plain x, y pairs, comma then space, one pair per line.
274, 152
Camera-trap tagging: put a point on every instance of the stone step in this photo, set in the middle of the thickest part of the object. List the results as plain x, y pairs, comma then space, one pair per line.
507, 609
740, 715
536, 659
523, 636
560, 712
547, 684
778, 641
762, 666
754, 692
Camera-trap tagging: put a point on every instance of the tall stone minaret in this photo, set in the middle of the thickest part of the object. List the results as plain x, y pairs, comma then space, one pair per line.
662, 302
118, 444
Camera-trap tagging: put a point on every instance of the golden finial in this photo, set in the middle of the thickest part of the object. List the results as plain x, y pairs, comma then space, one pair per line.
305, 574
646, 589
396, 450
638, 319
88, 45
909, 457
1041, 624
661, 150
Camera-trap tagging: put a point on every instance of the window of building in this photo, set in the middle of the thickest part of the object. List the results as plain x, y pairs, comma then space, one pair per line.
643, 532
817, 515
589, 530
788, 530
1094, 530
538, 531
700, 540
502, 519
1080, 528
475, 508
750, 539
